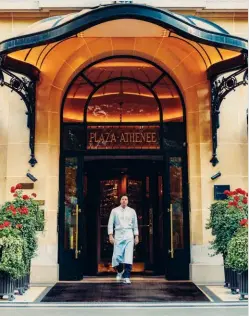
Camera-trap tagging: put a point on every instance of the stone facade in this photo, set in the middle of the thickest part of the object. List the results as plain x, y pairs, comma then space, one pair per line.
232, 149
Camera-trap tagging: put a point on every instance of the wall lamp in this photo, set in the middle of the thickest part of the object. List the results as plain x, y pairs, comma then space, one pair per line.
31, 177
215, 176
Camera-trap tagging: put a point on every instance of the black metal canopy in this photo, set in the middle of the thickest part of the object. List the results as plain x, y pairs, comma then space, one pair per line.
58, 28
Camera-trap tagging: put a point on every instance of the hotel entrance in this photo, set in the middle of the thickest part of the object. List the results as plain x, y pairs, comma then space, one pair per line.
123, 131
155, 188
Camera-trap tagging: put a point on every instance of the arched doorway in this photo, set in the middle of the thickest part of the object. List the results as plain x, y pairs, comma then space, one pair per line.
123, 131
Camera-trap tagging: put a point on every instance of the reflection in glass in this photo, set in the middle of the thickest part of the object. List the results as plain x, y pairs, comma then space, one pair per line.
109, 199
176, 199
70, 202
143, 252
123, 101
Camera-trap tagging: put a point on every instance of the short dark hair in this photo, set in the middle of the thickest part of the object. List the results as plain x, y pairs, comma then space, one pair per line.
122, 195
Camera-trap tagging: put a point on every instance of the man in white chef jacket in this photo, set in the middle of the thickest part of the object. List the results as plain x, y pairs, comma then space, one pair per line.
123, 222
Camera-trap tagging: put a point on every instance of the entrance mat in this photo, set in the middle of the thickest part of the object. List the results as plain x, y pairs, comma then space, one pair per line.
118, 292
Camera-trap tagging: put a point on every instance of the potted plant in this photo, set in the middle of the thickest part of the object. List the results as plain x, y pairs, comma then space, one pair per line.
237, 256
224, 222
23, 213
12, 265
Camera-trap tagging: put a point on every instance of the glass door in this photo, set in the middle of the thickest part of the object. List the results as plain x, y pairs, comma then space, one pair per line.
71, 221
177, 220
109, 199
138, 190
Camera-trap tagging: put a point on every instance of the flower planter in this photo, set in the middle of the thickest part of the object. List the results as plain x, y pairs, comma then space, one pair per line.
243, 284
20, 285
7, 286
233, 282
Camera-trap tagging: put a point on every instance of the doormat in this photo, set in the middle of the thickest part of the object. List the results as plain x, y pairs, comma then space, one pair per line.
118, 292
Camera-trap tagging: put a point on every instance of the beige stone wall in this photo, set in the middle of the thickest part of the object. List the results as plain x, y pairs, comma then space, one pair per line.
233, 161
232, 154
14, 157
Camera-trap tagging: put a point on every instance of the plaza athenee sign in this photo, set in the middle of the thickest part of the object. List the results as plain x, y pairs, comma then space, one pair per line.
123, 137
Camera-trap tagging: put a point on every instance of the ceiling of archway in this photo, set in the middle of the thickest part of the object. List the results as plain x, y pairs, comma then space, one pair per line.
122, 90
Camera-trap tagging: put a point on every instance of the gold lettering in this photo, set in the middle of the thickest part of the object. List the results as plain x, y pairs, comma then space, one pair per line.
127, 137
113, 138
132, 137
148, 137
122, 139
153, 138
92, 137
101, 138
107, 137
119, 136
138, 139
143, 137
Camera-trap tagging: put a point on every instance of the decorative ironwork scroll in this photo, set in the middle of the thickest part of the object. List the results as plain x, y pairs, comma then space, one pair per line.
220, 89
26, 89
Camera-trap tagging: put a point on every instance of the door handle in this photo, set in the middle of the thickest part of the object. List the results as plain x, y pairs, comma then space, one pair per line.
171, 250
77, 251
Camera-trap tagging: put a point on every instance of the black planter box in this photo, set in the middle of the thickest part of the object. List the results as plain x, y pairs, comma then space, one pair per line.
227, 272
233, 282
20, 285
7, 286
27, 281
243, 284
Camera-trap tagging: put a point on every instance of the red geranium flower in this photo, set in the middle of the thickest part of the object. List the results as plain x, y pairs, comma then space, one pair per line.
236, 198
24, 211
34, 194
6, 224
233, 203
13, 189
244, 200
227, 192
244, 222
25, 197
11, 207
18, 186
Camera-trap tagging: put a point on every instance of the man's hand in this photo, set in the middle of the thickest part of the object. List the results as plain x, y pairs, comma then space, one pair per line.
111, 239
136, 240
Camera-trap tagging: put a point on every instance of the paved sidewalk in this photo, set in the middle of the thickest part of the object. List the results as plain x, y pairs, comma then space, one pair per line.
124, 311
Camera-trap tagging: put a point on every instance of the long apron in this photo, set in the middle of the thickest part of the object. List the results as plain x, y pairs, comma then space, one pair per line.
123, 247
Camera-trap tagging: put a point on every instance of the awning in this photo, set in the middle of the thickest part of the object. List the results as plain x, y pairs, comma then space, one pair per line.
173, 41
57, 28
